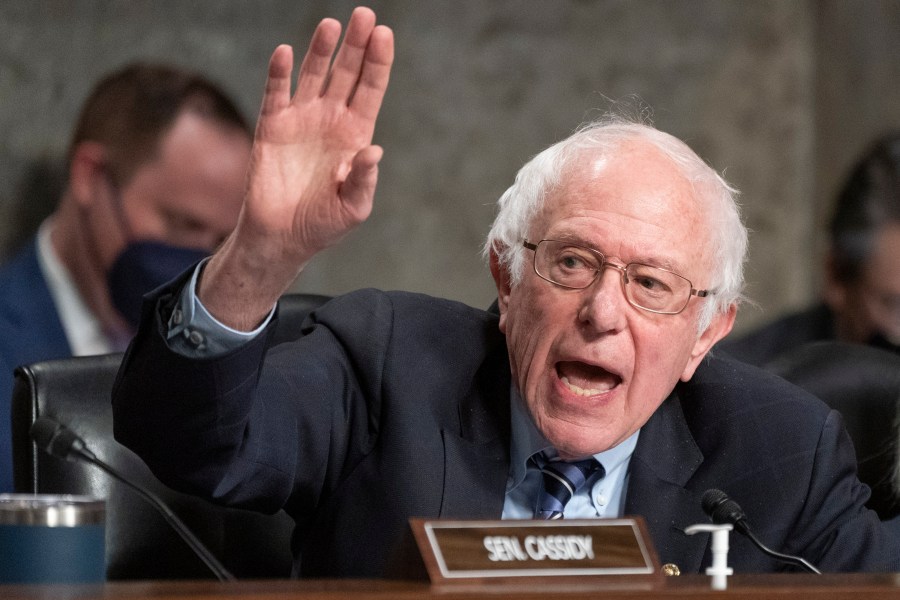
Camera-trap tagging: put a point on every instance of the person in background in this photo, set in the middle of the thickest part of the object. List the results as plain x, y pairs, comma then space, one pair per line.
37, 193
861, 298
156, 172
617, 256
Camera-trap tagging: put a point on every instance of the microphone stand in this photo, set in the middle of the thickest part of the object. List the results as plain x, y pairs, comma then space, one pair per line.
790, 559
61, 442
723, 509
221, 573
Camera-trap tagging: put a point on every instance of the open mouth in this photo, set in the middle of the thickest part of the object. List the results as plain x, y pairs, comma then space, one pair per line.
586, 380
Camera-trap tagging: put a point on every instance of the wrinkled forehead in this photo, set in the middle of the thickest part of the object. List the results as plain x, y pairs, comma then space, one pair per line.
637, 193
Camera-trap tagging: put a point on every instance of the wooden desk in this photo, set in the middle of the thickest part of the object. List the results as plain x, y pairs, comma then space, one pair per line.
741, 587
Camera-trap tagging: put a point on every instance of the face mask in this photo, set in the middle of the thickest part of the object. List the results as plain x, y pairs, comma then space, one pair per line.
142, 267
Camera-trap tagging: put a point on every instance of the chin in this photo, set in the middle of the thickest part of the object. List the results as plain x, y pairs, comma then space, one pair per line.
576, 440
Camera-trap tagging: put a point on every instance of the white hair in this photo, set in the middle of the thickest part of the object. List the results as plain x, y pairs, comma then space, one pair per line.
519, 205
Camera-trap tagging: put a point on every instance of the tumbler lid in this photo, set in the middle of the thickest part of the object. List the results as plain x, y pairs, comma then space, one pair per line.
51, 510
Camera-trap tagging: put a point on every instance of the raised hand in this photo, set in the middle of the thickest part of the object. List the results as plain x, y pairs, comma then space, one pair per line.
313, 167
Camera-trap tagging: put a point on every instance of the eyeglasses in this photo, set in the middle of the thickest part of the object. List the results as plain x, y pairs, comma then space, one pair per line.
646, 287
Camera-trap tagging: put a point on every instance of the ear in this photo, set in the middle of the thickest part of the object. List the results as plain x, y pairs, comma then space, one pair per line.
501, 280
719, 327
88, 176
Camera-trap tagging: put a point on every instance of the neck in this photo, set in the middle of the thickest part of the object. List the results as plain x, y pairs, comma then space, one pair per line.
75, 250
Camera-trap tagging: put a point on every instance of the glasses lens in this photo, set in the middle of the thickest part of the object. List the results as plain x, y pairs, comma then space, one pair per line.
656, 289
646, 287
566, 265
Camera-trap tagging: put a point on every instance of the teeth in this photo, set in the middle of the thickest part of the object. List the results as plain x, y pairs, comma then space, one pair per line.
582, 391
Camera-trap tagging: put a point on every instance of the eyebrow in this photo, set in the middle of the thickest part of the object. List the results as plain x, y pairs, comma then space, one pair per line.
644, 260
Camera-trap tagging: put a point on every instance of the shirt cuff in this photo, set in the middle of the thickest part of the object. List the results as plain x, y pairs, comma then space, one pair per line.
195, 333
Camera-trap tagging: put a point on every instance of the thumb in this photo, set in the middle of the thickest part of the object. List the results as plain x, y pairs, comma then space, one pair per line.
358, 189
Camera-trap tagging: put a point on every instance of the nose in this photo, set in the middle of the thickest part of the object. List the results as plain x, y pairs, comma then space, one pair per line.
603, 304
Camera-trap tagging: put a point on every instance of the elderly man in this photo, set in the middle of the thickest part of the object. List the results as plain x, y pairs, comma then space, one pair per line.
617, 256
156, 171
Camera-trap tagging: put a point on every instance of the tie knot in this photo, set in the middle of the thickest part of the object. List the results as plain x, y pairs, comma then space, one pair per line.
561, 480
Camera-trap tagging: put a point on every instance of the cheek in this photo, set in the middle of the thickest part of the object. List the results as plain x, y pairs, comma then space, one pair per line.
520, 338
661, 356
103, 231
529, 332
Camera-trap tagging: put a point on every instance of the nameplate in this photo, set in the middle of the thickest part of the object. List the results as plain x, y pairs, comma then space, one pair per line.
461, 550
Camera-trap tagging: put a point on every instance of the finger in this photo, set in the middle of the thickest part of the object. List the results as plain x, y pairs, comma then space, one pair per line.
278, 82
349, 60
314, 68
376, 71
358, 189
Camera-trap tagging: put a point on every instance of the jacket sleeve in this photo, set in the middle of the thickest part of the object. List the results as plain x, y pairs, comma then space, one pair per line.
834, 530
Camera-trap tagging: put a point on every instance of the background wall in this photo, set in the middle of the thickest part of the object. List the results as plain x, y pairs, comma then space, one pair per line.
780, 95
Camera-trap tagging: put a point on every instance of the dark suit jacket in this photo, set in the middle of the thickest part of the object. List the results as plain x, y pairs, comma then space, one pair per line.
30, 330
397, 405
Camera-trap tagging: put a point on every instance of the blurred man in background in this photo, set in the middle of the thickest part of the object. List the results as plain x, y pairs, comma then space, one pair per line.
155, 180
861, 299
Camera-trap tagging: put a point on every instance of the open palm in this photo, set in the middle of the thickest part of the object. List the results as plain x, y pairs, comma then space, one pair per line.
313, 168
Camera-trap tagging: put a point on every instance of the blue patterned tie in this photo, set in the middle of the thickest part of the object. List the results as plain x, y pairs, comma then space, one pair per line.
561, 480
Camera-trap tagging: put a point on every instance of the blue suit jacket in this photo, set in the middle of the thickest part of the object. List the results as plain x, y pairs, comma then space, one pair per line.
396, 405
30, 330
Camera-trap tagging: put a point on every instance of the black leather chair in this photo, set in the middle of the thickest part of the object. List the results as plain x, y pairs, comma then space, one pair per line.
863, 384
140, 544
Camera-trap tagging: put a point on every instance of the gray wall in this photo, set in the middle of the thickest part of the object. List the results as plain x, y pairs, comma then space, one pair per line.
780, 95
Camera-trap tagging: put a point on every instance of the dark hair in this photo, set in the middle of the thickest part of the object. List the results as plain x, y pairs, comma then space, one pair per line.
129, 110
869, 199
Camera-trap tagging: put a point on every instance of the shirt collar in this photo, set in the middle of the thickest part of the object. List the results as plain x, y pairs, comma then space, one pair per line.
527, 440
81, 326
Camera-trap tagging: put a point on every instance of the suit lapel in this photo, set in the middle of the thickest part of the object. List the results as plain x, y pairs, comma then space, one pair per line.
476, 452
475, 478
31, 311
664, 460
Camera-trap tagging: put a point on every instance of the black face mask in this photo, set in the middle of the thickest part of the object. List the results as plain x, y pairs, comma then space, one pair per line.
142, 267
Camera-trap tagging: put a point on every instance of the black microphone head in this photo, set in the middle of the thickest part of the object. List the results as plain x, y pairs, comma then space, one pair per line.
55, 439
711, 499
723, 509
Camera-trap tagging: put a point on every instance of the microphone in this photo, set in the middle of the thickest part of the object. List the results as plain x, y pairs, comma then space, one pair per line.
722, 509
61, 442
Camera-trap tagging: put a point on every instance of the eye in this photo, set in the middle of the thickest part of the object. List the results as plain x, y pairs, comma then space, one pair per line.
185, 224
650, 284
650, 281
570, 260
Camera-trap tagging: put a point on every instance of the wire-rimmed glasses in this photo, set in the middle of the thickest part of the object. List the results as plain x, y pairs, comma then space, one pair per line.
646, 287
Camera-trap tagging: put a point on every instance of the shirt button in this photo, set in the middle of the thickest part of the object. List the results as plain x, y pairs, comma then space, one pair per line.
195, 338
177, 316
601, 500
